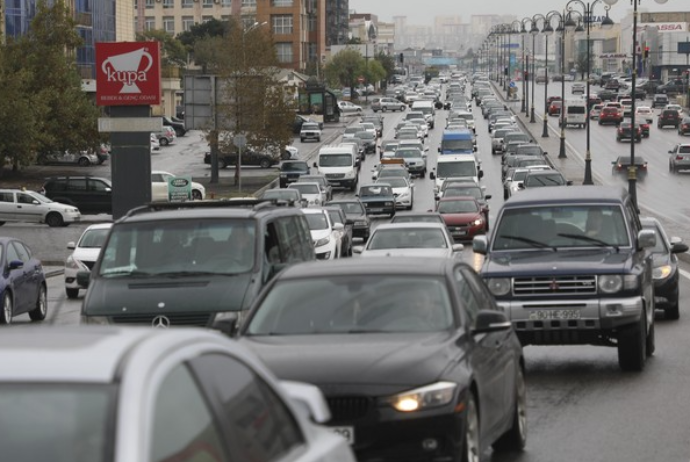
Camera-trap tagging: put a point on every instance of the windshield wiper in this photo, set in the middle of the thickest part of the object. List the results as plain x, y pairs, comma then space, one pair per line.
179, 274
127, 272
527, 240
593, 240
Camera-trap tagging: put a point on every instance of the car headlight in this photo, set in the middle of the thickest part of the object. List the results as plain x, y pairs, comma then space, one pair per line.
437, 394
477, 222
73, 263
498, 286
610, 283
662, 272
322, 241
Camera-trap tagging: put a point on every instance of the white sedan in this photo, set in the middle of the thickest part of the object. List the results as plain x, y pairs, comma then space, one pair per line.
21, 206
347, 107
403, 189
327, 236
84, 255
409, 240
160, 189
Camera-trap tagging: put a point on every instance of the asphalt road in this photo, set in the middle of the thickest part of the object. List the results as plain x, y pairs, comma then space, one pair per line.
581, 407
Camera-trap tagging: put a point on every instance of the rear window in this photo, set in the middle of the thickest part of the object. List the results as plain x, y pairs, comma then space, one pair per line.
576, 109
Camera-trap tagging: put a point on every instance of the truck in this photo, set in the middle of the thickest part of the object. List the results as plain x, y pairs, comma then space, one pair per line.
455, 166
573, 267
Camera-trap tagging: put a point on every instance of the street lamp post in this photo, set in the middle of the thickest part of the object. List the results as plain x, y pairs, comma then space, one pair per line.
522, 100
525, 68
561, 150
632, 170
570, 24
534, 47
546, 30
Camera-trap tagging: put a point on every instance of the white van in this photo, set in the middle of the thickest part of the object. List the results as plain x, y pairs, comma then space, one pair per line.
455, 166
339, 164
427, 107
575, 113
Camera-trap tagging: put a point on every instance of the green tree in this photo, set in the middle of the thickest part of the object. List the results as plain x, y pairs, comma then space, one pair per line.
211, 28
173, 52
373, 71
388, 64
344, 68
44, 57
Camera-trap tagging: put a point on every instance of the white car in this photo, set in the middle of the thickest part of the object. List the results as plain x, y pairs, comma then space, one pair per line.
159, 187
311, 192
675, 107
326, 235
84, 255
125, 394
644, 112
310, 131
403, 189
421, 125
409, 240
19, 206
155, 144
347, 107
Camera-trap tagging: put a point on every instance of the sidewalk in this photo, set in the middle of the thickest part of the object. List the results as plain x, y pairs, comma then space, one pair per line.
573, 166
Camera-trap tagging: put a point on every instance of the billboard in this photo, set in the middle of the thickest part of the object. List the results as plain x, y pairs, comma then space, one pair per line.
128, 73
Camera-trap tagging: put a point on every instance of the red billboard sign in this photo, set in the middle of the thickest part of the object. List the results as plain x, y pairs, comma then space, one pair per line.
128, 73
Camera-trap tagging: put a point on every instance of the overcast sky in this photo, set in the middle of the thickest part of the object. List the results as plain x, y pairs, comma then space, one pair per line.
422, 12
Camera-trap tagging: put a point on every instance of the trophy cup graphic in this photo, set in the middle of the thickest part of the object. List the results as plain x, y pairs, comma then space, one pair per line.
124, 68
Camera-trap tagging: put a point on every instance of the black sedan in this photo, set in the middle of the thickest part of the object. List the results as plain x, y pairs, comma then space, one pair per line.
354, 209
23, 285
248, 158
665, 272
412, 354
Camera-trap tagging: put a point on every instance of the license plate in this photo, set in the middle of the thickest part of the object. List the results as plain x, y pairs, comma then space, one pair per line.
346, 432
375, 210
541, 315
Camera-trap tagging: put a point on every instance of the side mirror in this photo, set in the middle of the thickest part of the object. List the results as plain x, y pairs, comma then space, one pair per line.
228, 323
83, 278
71, 245
521, 185
480, 174
15, 264
308, 399
487, 197
545, 153
439, 149
677, 246
315, 165
475, 148
569, 183
458, 247
480, 245
646, 238
357, 248
490, 321
338, 226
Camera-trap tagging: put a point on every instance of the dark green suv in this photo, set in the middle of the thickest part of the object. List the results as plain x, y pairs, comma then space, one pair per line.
90, 194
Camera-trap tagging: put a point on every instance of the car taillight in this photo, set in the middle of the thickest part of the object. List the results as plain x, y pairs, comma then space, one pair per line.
679, 157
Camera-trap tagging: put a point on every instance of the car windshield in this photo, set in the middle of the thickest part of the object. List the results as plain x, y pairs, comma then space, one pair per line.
354, 304
561, 226
378, 190
550, 179
426, 218
392, 172
407, 238
397, 182
310, 126
451, 169
204, 246
353, 208
529, 150
455, 191
306, 188
366, 135
56, 422
317, 221
284, 194
457, 145
93, 238
408, 153
463, 206
294, 167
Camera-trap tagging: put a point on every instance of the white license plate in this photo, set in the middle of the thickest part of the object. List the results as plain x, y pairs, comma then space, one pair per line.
346, 432
541, 315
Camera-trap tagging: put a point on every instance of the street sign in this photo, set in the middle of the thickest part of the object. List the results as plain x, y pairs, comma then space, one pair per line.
240, 140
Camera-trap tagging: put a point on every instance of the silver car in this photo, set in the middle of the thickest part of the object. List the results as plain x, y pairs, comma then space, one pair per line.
18, 206
123, 394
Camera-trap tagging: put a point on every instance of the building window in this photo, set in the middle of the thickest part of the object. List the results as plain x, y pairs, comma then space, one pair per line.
281, 2
168, 3
284, 51
149, 23
208, 4
249, 3
226, 3
169, 24
206, 18
149, 3
187, 3
311, 27
282, 24
187, 22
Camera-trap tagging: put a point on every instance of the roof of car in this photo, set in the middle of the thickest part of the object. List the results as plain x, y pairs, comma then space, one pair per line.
410, 224
432, 266
93, 354
570, 195
249, 208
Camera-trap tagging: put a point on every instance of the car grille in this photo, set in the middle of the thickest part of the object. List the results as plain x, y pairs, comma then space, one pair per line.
177, 319
377, 205
559, 285
335, 176
348, 407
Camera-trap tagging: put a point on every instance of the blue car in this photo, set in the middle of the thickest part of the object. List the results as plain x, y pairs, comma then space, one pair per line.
22, 283
378, 199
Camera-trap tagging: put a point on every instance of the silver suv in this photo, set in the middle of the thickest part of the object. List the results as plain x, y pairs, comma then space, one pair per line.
387, 104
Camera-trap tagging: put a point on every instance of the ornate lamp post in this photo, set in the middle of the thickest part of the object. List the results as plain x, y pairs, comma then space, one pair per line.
561, 150
511, 29
632, 170
525, 67
570, 25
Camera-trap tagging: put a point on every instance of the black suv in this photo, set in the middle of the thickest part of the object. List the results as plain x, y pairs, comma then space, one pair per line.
573, 267
192, 264
291, 170
91, 195
668, 117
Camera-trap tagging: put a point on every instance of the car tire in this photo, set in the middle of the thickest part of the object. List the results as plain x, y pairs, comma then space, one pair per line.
632, 345
163, 141
71, 293
516, 437
54, 220
672, 311
265, 163
302, 140
7, 308
470, 446
402, 108
83, 162
196, 195
41, 308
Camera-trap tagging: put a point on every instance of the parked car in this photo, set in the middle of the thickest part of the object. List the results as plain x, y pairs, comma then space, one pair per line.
84, 255
288, 195
679, 158
159, 186
22, 206
347, 107
80, 158
154, 394
668, 117
166, 135
310, 131
88, 194
176, 124
249, 158
665, 272
388, 358
410, 239
23, 287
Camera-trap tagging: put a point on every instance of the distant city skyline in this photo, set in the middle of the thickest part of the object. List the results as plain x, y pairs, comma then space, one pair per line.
423, 13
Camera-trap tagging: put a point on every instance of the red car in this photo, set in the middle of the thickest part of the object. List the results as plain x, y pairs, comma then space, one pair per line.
555, 108
610, 115
463, 216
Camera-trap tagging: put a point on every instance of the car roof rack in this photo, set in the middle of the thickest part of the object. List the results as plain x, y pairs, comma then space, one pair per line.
254, 204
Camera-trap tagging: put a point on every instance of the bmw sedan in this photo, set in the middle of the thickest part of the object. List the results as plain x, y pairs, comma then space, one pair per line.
412, 354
